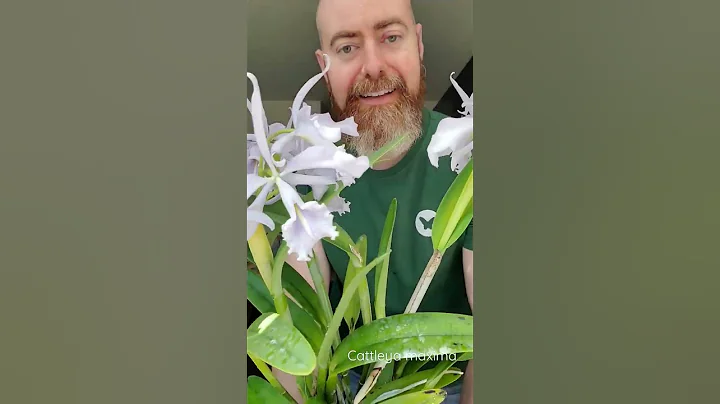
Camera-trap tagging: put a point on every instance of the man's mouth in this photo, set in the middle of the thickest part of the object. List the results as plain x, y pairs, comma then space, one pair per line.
377, 93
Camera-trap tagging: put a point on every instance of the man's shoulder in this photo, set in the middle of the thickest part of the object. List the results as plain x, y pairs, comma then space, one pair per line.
432, 119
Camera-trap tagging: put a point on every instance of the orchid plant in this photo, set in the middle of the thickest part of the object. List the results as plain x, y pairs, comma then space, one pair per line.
298, 331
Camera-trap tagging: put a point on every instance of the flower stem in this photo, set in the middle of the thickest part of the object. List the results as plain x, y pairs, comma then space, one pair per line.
277, 289
262, 254
424, 282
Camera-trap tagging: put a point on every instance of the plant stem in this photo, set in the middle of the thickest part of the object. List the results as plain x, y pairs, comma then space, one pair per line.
334, 326
399, 367
262, 254
319, 284
424, 282
267, 373
279, 298
413, 304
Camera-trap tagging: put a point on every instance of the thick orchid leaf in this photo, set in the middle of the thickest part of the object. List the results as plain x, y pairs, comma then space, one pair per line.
381, 273
259, 296
280, 345
386, 374
405, 336
453, 210
260, 391
409, 384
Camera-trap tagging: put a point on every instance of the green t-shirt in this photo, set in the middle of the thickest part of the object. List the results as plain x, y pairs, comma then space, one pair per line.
419, 187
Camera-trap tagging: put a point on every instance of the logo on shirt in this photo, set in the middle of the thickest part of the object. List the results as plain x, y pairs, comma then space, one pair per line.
423, 222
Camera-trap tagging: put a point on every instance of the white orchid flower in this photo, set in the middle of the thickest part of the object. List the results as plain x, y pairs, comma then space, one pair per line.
301, 153
454, 136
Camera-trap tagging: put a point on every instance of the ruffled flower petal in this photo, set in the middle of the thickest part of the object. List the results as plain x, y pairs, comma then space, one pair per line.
452, 134
309, 223
339, 205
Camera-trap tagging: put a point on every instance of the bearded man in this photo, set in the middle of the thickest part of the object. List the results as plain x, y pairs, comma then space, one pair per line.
377, 76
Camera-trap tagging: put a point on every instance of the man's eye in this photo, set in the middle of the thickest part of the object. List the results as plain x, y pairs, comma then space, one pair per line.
392, 38
346, 49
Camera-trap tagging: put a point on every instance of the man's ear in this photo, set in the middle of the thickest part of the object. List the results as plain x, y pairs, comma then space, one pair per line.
421, 47
321, 62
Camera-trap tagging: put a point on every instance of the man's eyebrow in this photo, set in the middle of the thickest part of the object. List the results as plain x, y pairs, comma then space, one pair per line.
378, 26
342, 35
388, 22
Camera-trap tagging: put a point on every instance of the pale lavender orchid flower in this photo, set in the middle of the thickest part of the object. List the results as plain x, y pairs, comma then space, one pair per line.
454, 136
304, 153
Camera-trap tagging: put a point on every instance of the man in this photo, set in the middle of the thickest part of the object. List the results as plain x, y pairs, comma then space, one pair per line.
378, 77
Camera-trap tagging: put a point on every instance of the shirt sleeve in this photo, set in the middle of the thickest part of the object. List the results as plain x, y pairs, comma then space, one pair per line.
468, 236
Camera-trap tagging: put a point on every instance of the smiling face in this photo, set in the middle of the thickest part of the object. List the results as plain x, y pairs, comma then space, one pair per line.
375, 49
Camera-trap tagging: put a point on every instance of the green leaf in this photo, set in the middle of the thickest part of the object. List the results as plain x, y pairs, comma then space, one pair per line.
352, 313
413, 366
280, 345
343, 241
363, 291
453, 207
405, 336
381, 273
431, 396
334, 326
302, 292
386, 374
260, 391
407, 384
277, 213
378, 155
259, 296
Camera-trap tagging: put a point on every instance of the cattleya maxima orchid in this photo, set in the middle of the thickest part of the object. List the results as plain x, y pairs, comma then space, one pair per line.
303, 152
454, 136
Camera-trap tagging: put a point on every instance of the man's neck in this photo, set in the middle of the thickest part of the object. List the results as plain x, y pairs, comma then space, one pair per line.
388, 162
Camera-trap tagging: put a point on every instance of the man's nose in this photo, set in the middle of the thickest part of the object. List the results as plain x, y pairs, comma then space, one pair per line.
374, 66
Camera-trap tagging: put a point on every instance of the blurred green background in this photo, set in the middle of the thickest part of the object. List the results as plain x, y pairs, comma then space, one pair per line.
597, 202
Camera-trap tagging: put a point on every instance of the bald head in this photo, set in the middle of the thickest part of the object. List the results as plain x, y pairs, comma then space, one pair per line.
375, 50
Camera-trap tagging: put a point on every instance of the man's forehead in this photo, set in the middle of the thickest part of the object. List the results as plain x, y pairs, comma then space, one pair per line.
351, 15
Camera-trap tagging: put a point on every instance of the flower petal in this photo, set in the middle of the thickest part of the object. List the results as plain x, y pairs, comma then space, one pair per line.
255, 218
255, 215
259, 121
460, 157
329, 157
339, 204
305, 89
289, 196
451, 134
331, 130
304, 179
254, 182
309, 224
467, 102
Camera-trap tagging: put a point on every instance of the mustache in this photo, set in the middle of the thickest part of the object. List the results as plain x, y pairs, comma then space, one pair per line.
384, 83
